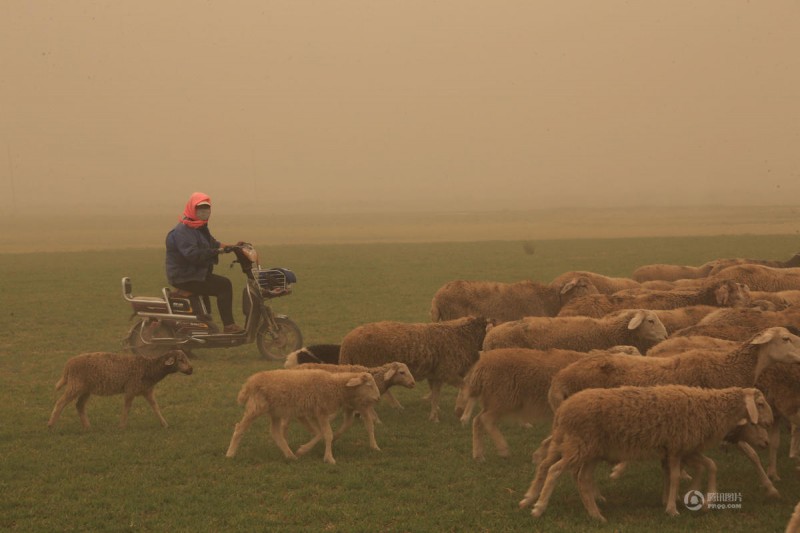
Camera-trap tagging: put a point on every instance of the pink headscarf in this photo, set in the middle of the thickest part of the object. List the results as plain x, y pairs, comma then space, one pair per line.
189, 217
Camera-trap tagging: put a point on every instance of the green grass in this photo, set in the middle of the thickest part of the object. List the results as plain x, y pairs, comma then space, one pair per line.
146, 478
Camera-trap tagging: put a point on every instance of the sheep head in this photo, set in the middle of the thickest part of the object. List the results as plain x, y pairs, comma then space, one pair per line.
778, 344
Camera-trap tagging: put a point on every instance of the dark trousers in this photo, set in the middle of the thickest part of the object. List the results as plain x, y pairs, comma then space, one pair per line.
214, 285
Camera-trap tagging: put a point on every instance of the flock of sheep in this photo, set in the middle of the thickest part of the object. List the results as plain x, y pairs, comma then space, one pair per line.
720, 363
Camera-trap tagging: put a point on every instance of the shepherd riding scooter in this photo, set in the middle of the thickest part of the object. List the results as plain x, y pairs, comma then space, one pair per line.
181, 319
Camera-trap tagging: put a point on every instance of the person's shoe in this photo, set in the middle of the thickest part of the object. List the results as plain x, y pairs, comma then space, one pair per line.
232, 328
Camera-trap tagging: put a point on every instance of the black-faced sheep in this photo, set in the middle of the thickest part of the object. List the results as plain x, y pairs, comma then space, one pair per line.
604, 284
504, 301
311, 396
719, 293
636, 327
106, 374
316, 353
441, 352
673, 423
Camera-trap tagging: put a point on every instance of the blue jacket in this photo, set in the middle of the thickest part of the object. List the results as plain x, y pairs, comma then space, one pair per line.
191, 253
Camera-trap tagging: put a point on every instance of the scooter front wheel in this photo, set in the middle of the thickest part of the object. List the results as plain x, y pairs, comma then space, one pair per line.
276, 345
140, 338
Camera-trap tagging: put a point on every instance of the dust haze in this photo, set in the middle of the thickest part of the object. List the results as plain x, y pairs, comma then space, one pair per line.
364, 106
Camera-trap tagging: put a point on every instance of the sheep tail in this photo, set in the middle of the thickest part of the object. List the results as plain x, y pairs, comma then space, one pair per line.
62, 381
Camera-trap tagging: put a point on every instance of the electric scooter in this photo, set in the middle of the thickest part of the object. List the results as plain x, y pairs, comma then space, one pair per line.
180, 319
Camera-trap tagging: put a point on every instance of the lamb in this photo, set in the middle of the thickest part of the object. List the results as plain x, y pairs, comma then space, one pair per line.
313, 396
762, 278
668, 272
604, 284
316, 353
441, 352
385, 376
504, 301
106, 374
630, 423
514, 382
719, 293
740, 324
635, 327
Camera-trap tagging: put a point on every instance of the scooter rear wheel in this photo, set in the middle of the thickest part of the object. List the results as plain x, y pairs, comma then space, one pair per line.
143, 332
278, 344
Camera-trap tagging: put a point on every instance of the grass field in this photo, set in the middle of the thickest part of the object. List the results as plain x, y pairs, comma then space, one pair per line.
145, 478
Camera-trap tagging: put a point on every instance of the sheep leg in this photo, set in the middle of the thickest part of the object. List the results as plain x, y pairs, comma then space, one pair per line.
62, 402
126, 408
324, 426
150, 396
751, 454
477, 438
535, 488
467, 411
392, 400
250, 414
553, 474
80, 405
774, 432
488, 420
674, 463
588, 491
794, 443
462, 401
369, 423
436, 389
277, 429
541, 452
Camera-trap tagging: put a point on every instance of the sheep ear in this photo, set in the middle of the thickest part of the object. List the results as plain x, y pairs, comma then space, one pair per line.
356, 381
389, 373
763, 337
750, 403
637, 320
569, 286
170, 361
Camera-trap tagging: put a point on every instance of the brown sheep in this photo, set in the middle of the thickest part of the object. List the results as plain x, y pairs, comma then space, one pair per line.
106, 374
504, 301
604, 284
441, 352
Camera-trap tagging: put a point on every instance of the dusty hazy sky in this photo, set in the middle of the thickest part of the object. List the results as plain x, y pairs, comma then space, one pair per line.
397, 105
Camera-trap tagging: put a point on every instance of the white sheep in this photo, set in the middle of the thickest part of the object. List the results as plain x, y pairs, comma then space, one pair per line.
441, 352
604, 284
311, 396
504, 301
385, 376
673, 423
636, 327
106, 374
513, 382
